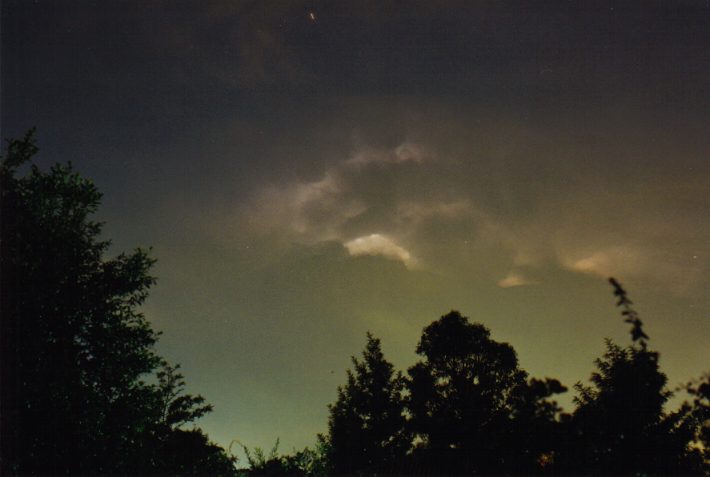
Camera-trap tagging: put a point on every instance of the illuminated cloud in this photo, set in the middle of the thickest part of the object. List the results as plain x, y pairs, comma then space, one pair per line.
662, 268
605, 263
461, 209
514, 279
377, 244
345, 202
599, 263
406, 152
309, 211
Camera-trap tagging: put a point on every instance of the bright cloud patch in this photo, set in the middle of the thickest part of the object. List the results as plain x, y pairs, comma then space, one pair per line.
514, 279
609, 262
598, 263
376, 244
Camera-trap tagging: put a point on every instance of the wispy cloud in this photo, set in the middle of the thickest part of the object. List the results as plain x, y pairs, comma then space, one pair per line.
514, 279
415, 212
461, 210
406, 152
311, 211
346, 205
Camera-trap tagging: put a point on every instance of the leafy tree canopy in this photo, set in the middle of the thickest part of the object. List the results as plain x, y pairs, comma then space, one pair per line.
75, 347
620, 425
461, 395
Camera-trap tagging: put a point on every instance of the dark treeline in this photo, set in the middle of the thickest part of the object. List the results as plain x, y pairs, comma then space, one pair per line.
84, 392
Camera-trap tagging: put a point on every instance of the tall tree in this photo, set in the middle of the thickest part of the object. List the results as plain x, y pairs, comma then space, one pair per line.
619, 425
366, 428
471, 406
460, 396
75, 346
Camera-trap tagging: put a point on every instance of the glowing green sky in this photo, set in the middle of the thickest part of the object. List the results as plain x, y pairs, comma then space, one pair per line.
306, 178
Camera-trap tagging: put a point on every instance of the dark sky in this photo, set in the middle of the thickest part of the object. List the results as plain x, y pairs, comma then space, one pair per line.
309, 170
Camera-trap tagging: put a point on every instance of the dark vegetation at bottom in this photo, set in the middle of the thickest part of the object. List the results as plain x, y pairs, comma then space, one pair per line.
83, 391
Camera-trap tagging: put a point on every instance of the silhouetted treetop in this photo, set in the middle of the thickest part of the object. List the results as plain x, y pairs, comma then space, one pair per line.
75, 346
630, 315
620, 425
366, 428
453, 348
461, 396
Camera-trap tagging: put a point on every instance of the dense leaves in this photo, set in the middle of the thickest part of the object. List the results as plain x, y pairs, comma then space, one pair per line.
76, 351
470, 403
620, 425
695, 415
471, 410
366, 429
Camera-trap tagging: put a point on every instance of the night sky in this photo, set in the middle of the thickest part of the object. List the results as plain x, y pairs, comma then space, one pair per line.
306, 171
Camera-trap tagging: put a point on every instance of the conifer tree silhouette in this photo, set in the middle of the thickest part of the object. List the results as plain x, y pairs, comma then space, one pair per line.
366, 428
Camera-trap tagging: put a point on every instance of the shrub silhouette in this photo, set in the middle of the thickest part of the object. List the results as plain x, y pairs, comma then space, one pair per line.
307, 462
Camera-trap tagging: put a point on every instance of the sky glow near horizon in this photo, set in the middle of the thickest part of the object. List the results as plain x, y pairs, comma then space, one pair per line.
303, 181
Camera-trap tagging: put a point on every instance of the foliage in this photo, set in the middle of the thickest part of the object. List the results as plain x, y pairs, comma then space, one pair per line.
536, 422
700, 410
471, 406
619, 425
75, 347
261, 463
630, 315
177, 408
694, 417
189, 452
366, 428
172, 449
307, 462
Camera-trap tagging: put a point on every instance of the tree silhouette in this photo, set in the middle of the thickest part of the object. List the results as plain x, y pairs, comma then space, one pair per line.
619, 425
74, 345
366, 428
172, 449
306, 463
461, 397
536, 424
190, 452
630, 315
261, 463
176, 407
695, 416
